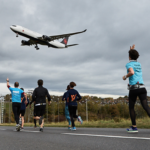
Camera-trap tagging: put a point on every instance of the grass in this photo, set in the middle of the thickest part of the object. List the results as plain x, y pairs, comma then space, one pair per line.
122, 123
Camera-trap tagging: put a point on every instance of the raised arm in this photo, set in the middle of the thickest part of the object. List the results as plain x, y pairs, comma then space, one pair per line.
25, 95
8, 82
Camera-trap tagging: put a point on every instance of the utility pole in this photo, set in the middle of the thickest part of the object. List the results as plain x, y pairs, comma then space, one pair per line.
47, 111
58, 109
9, 111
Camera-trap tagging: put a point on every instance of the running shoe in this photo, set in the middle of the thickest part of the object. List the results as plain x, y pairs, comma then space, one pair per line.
69, 128
80, 119
35, 126
41, 129
73, 128
18, 127
132, 129
21, 128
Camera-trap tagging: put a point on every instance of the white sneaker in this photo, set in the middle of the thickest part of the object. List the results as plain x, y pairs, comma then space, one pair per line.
80, 119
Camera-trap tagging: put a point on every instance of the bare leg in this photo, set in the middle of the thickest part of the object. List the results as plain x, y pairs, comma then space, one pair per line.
37, 117
22, 121
42, 123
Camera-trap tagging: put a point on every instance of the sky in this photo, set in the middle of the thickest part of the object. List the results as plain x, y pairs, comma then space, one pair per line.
96, 65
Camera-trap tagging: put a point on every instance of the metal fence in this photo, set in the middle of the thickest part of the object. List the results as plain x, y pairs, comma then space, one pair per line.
88, 109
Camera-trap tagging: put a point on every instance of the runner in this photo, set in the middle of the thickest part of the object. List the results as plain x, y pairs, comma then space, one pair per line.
72, 96
16, 101
39, 96
67, 115
136, 86
23, 109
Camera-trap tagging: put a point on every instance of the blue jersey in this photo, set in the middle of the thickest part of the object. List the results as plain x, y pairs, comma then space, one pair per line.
23, 105
16, 94
72, 96
137, 77
64, 96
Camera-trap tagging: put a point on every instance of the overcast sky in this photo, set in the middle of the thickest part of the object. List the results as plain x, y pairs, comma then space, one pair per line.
96, 65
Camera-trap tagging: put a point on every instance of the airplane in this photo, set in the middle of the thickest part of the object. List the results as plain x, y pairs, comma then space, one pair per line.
36, 38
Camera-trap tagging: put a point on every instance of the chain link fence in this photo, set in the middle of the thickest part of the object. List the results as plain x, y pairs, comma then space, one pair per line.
90, 109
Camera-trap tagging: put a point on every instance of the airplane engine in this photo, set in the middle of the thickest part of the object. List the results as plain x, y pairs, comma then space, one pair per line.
46, 38
25, 42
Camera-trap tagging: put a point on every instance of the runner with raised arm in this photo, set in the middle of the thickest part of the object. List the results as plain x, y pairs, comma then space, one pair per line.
16, 101
72, 96
67, 115
39, 96
136, 86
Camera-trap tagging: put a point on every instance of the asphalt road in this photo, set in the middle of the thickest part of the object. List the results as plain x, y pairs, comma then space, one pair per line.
81, 139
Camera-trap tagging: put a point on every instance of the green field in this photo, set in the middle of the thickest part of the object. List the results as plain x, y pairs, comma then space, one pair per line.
141, 123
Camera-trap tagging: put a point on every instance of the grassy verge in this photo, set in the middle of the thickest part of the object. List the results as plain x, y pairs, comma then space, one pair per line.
122, 123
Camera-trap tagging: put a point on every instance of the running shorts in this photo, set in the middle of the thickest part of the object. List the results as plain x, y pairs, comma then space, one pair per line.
40, 110
22, 112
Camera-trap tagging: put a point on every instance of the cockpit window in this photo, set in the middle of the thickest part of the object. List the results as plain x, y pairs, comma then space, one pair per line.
14, 25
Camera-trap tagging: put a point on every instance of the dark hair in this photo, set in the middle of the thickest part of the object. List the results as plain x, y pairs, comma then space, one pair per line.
16, 84
68, 88
22, 89
72, 84
133, 54
40, 82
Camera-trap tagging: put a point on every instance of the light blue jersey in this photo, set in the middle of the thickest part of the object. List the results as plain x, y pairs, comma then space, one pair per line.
16, 94
137, 77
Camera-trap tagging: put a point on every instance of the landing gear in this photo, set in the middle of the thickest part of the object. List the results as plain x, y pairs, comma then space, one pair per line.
37, 48
16, 34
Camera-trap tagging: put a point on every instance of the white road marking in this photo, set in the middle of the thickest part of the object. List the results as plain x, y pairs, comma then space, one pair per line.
2, 129
25, 131
28, 131
122, 137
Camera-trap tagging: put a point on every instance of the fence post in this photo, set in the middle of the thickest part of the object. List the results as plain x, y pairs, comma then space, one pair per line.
58, 109
2, 109
86, 111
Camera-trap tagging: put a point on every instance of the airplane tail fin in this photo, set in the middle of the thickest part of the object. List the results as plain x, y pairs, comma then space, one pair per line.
65, 40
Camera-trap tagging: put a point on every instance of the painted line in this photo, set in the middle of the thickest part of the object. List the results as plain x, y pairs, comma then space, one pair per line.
2, 129
110, 136
29, 131
25, 131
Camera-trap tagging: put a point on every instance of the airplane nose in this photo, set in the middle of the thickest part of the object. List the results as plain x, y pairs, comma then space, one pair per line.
11, 27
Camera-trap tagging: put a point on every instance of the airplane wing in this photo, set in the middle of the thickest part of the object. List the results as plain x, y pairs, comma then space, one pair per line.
56, 37
29, 42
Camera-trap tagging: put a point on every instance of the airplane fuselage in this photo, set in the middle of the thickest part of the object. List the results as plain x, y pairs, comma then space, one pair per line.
33, 36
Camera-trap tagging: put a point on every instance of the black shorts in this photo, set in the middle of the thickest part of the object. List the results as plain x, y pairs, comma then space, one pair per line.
22, 112
40, 110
